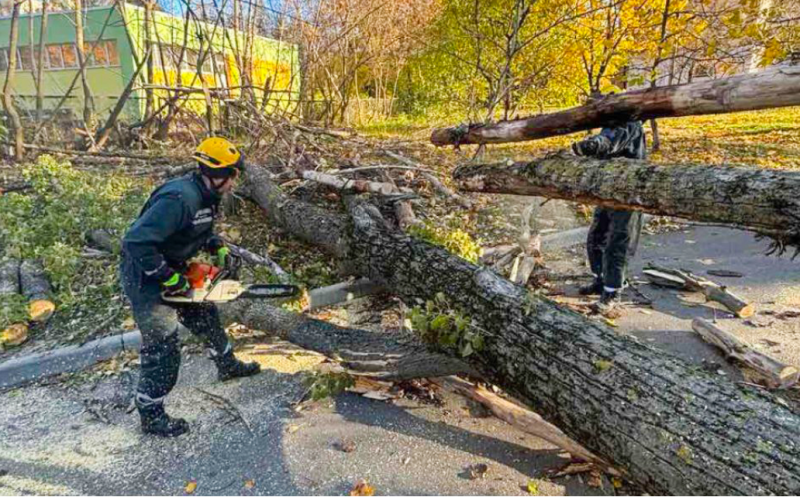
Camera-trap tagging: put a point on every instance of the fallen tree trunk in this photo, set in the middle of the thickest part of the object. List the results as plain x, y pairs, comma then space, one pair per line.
686, 280
384, 357
764, 200
778, 374
773, 87
674, 429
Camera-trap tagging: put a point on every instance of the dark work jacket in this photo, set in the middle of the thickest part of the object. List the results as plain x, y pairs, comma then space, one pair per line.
174, 224
619, 141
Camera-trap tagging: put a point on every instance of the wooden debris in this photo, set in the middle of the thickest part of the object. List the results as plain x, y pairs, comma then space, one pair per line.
521, 418
685, 280
778, 374
357, 185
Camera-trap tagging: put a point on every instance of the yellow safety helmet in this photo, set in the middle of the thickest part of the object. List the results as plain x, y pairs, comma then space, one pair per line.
219, 158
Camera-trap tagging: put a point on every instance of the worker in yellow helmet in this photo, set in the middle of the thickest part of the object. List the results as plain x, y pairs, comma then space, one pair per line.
176, 223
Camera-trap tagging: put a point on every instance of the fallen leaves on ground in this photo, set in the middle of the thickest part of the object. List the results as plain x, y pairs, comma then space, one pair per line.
190, 487
362, 488
533, 487
249, 484
477, 471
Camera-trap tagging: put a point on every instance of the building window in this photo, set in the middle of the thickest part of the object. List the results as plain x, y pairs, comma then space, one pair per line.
111, 51
70, 53
54, 59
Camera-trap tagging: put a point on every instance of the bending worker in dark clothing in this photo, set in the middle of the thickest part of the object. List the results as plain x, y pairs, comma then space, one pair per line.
174, 225
614, 234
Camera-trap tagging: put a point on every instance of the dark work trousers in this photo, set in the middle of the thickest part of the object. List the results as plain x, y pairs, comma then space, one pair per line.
158, 322
612, 239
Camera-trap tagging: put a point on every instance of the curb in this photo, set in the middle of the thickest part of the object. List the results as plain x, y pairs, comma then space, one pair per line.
65, 360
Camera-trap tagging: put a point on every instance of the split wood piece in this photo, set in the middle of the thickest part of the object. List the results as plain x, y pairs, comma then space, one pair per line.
778, 374
686, 280
36, 288
431, 177
673, 428
9, 277
774, 87
357, 185
522, 418
764, 200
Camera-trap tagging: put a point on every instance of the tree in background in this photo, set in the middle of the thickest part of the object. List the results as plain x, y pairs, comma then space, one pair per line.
493, 56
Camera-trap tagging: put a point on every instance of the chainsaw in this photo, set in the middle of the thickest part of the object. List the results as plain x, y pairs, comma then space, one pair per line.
214, 284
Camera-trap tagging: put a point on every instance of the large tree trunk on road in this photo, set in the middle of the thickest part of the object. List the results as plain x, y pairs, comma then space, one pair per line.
764, 200
673, 428
774, 87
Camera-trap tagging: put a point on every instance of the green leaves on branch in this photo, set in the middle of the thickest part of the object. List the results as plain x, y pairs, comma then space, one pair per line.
439, 324
323, 385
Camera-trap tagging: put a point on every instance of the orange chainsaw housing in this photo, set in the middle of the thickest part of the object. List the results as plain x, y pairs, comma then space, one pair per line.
198, 273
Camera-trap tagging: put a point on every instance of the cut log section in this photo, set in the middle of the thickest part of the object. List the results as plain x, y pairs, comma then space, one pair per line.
686, 280
9, 277
36, 288
770, 88
673, 428
778, 374
764, 200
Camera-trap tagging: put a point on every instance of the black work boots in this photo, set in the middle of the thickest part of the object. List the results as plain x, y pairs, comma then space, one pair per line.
609, 301
229, 367
593, 288
156, 422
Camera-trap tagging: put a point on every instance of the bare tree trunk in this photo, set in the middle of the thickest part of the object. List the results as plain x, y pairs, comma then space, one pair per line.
88, 100
672, 428
764, 200
774, 87
40, 62
656, 138
8, 88
148, 41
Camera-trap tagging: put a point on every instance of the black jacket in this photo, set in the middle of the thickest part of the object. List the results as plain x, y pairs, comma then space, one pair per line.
174, 224
617, 141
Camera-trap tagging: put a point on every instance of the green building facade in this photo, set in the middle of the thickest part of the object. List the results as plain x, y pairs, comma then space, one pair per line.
116, 38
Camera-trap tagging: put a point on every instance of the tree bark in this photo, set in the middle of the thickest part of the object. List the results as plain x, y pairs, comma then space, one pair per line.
88, 100
8, 88
774, 87
9, 277
40, 62
764, 200
673, 428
